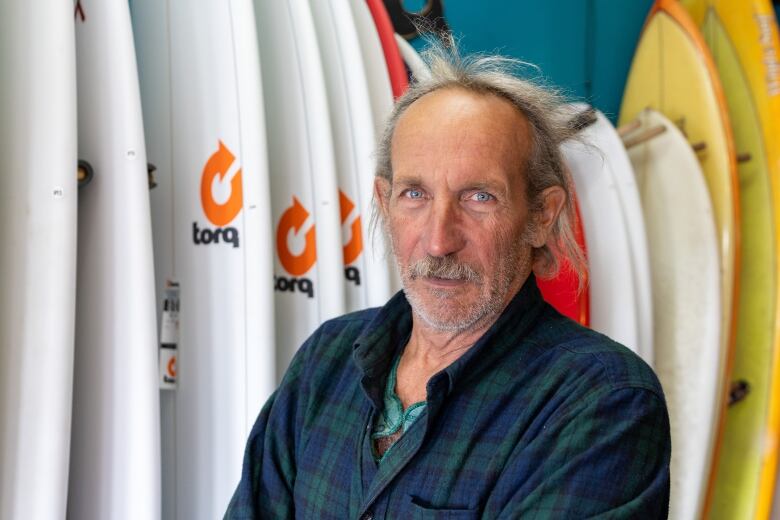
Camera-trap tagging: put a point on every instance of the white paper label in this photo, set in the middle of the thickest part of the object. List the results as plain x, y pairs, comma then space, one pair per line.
169, 336
168, 368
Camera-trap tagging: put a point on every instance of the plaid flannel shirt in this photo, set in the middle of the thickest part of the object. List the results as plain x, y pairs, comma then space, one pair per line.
541, 418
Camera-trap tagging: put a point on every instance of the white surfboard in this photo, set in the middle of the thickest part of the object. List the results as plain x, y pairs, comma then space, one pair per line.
309, 267
612, 294
377, 75
381, 92
622, 181
202, 97
685, 270
38, 255
115, 444
367, 272
413, 61
624, 178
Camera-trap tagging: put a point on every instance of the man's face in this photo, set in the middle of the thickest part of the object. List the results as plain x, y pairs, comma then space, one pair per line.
457, 210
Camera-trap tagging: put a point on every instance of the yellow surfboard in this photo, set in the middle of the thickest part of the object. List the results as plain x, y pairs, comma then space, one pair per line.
742, 35
673, 72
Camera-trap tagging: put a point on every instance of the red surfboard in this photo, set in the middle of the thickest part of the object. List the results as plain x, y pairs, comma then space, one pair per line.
562, 291
395, 64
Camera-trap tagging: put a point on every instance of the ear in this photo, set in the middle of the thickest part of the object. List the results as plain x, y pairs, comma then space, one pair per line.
382, 190
553, 199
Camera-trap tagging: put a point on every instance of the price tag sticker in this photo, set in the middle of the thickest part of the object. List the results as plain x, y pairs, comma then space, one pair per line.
169, 336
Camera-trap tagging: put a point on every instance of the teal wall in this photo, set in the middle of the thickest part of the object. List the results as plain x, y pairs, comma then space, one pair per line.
777, 10
582, 46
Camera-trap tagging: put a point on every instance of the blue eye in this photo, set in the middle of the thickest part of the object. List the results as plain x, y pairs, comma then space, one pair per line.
414, 194
482, 196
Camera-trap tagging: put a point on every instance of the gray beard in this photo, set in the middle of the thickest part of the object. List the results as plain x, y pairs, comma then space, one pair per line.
453, 316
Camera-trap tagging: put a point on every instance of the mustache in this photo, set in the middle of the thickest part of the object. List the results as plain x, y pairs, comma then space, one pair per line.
443, 267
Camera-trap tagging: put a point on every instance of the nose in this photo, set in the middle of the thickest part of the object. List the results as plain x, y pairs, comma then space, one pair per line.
443, 234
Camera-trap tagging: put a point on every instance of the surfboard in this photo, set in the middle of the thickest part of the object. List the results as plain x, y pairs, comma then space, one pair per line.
414, 62
309, 266
115, 442
203, 110
673, 72
612, 292
682, 239
38, 256
624, 178
374, 66
366, 270
393, 59
563, 291
743, 39
621, 174
381, 93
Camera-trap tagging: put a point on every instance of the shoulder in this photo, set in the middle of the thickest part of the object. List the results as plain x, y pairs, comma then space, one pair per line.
329, 348
588, 360
336, 336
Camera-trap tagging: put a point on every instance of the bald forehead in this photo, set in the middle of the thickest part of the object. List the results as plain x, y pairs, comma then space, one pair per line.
482, 121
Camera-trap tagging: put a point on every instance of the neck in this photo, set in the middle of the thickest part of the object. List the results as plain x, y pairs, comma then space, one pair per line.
429, 351
436, 349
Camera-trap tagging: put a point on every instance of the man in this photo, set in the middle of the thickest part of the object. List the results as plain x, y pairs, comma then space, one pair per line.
466, 396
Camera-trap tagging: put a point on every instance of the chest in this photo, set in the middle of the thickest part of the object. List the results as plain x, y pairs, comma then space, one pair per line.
454, 458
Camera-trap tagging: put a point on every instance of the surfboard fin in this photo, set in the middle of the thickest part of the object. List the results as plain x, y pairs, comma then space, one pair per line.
84, 173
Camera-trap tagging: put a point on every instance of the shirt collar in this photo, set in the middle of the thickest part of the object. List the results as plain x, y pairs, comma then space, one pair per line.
389, 332
379, 342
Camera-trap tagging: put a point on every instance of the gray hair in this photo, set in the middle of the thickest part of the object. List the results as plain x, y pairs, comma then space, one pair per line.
550, 122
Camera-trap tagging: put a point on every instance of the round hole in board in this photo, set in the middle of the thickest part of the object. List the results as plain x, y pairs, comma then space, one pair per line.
414, 6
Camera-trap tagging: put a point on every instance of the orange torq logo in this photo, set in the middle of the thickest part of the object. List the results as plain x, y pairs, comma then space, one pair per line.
219, 169
352, 249
293, 219
172, 367
218, 165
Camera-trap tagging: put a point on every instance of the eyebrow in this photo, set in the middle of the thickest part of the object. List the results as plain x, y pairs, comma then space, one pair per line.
416, 180
492, 186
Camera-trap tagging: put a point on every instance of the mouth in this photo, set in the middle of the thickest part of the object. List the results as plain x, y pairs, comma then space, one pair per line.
444, 282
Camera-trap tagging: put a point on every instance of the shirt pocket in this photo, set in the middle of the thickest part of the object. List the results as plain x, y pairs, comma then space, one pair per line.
425, 512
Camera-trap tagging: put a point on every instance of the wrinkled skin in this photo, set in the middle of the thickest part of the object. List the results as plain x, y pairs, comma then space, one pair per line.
459, 222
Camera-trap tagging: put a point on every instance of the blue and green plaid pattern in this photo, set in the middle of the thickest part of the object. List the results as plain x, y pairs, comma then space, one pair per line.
541, 418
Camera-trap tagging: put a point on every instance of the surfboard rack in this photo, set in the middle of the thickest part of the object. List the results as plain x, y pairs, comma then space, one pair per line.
150, 169
582, 120
643, 137
409, 24
85, 173
629, 128
738, 391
